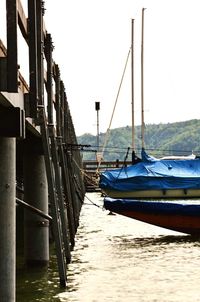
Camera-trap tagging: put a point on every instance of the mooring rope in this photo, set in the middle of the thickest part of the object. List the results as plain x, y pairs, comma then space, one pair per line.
94, 180
93, 203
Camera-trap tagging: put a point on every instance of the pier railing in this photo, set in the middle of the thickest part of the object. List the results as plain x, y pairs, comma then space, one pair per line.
92, 169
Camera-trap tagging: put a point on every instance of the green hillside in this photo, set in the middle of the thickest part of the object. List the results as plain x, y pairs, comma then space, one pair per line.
180, 138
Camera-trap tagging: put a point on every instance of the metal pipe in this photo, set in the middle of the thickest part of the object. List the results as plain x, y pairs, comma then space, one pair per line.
36, 229
7, 219
33, 209
142, 79
132, 84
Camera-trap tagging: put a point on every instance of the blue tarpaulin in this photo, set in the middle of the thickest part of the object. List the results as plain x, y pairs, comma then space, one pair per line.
152, 173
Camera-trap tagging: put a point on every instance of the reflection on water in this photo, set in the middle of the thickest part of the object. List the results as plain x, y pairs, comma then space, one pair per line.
119, 259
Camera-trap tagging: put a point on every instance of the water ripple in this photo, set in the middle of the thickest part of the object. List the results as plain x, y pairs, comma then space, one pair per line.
118, 259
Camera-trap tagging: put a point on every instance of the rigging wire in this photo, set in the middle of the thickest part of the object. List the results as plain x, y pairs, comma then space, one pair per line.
119, 89
120, 150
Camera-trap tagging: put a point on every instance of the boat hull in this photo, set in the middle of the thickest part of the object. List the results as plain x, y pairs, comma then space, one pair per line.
184, 218
158, 194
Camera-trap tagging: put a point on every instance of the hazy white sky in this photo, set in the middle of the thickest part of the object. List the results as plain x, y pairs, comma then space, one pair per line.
92, 39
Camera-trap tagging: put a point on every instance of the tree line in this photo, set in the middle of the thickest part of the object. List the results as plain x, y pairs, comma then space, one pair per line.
180, 138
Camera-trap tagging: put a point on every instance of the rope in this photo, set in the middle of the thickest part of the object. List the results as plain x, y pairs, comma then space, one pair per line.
108, 130
94, 180
93, 203
82, 171
124, 163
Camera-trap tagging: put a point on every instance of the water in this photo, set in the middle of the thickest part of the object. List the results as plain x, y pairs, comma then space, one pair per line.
119, 259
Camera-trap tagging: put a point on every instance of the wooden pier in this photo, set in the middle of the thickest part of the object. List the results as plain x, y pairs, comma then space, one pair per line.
39, 170
91, 170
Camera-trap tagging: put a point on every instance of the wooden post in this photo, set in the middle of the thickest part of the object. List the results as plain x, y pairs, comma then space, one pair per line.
12, 65
40, 51
33, 58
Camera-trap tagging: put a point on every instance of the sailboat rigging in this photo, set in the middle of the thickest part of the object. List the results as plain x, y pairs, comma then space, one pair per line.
115, 104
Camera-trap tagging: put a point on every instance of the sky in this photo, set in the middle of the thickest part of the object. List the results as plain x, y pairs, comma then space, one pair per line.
92, 39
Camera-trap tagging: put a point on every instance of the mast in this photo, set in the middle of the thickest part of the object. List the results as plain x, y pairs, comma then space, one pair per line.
132, 84
142, 80
134, 157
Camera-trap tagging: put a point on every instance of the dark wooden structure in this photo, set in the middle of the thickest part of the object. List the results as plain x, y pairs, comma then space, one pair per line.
36, 128
91, 170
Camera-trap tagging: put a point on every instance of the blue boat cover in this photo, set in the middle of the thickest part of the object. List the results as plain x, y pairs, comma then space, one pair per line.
155, 207
153, 174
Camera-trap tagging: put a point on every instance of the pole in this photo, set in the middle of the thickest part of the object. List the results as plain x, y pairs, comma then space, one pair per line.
36, 228
97, 108
142, 80
132, 84
7, 219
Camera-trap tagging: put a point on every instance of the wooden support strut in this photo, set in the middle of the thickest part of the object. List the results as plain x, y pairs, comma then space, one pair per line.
53, 200
33, 58
37, 109
53, 172
54, 149
40, 49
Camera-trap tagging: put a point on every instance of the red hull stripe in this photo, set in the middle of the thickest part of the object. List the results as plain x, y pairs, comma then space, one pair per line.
185, 224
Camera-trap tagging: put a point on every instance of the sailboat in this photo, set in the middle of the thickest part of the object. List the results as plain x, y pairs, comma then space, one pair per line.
154, 178
175, 177
142, 190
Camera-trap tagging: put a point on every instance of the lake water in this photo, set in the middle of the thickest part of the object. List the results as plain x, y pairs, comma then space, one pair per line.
118, 259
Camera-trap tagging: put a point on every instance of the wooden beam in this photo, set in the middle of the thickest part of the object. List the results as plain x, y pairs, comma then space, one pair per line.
12, 65
49, 84
40, 51
33, 64
22, 21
